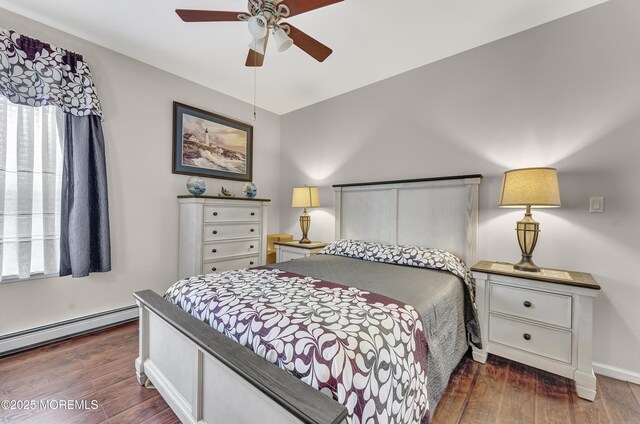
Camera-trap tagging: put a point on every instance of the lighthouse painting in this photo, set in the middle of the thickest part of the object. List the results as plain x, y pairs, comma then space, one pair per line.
211, 145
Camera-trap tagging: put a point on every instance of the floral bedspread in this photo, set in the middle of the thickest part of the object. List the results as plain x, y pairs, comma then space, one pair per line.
367, 351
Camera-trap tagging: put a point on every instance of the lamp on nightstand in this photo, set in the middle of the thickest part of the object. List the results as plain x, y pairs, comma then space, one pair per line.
305, 197
529, 188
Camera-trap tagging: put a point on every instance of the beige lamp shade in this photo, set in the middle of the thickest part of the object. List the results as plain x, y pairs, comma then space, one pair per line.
535, 187
305, 197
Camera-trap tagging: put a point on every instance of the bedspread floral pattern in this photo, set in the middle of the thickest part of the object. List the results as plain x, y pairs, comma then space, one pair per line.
367, 351
404, 255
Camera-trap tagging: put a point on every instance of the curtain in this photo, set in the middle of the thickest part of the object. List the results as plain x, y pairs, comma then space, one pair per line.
34, 73
30, 177
38, 75
85, 245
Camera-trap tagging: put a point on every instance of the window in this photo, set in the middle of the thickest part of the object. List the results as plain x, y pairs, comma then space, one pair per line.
30, 183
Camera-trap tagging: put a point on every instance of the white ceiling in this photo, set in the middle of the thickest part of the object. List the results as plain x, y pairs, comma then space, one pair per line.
372, 39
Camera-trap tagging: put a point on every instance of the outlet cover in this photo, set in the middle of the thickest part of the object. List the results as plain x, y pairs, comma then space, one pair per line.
596, 204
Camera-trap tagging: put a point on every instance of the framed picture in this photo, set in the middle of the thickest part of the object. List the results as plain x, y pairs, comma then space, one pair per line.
210, 145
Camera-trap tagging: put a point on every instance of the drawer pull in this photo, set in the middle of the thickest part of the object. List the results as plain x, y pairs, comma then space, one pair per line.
253, 214
215, 214
251, 263
213, 269
251, 247
527, 336
527, 304
252, 230
215, 232
214, 250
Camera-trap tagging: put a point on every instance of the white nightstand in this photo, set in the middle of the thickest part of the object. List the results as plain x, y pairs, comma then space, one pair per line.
542, 319
290, 250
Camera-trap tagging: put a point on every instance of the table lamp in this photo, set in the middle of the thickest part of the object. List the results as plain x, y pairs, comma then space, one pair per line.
305, 197
529, 188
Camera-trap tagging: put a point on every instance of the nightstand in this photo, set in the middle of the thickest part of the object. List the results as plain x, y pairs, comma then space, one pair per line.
290, 250
542, 319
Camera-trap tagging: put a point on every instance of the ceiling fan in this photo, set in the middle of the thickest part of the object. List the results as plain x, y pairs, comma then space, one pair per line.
264, 17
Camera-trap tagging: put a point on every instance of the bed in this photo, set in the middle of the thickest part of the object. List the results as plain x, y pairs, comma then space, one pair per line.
205, 376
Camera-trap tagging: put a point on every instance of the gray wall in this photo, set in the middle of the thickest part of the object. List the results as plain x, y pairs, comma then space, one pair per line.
565, 94
137, 101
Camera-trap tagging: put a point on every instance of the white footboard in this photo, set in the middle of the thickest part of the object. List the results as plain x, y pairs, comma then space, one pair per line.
205, 377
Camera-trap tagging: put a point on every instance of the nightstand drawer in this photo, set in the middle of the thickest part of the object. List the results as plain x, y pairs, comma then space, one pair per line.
215, 213
229, 248
543, 341
213, 232
219, 266
289, 255
549, 308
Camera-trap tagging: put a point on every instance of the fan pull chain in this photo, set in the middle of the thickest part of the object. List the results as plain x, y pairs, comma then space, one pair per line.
255, 77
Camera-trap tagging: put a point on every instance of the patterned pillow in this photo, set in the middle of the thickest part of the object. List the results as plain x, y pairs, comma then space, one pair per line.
421, 257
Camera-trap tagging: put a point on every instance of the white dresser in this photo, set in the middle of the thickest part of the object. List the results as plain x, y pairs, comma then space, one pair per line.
543, 319
220, 234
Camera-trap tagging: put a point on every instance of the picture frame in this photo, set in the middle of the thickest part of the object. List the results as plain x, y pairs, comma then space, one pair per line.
210, 145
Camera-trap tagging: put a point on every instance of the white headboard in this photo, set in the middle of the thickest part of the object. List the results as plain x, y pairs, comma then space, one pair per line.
440, 213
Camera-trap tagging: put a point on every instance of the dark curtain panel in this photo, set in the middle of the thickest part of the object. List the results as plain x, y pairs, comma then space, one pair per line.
84, 228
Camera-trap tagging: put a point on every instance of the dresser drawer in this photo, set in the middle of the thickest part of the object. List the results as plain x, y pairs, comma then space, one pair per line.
543, 341
214, 232
214, 213
227, 265
217, 250
550, 308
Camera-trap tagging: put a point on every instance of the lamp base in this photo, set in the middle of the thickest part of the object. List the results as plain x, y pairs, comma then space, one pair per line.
305, 223
527, 229
527, 265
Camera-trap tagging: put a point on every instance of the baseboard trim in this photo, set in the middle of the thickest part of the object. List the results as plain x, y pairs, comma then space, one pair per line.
617, 373
38, 336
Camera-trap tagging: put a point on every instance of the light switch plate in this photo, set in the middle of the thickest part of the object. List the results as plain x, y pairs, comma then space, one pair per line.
596, 204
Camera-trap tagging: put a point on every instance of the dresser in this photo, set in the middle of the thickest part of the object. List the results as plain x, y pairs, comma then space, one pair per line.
290, 250
542, 319
220, 234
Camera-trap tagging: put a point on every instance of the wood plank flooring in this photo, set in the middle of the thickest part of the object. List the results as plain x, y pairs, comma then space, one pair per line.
502, 391
94, 367
100, 367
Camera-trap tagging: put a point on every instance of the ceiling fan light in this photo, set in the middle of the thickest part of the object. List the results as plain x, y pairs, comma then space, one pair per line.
258, 26
258, 45
282, 40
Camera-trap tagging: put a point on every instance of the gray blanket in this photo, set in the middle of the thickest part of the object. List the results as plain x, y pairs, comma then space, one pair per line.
437, 295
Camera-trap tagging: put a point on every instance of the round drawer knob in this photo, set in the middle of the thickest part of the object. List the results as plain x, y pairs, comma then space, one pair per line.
252, 230
527, 304
251, 263
251, 247
214, 250
215, 214
215, 232
527, 336
213, 269
253, 214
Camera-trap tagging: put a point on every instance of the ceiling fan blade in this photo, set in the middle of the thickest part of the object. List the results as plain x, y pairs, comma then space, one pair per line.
208, 15
297, 7
310, 45
254, 59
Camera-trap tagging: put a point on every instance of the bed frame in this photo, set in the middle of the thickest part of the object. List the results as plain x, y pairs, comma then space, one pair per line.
205, 377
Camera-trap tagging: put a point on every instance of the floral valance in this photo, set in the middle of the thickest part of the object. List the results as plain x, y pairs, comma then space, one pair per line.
35, 73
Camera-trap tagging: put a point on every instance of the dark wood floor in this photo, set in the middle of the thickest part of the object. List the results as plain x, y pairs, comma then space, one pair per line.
100, 367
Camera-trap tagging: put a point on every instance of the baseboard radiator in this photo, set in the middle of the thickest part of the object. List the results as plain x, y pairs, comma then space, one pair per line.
38, 336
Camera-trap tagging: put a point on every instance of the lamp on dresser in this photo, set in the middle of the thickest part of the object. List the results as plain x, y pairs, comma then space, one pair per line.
529, 188
305, 197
